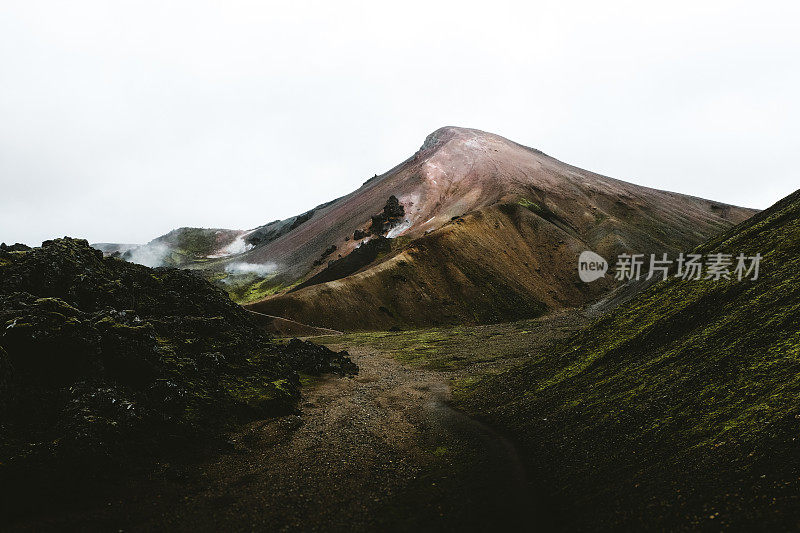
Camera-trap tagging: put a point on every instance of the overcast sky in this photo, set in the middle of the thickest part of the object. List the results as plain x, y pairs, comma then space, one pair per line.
120, 120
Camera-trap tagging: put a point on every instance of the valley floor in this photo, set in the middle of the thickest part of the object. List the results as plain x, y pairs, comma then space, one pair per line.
381, 451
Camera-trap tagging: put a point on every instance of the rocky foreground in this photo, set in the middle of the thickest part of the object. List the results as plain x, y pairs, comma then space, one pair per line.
105, 365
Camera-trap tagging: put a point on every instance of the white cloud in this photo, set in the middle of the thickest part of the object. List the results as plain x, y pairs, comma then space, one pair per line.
259, 269
150, 255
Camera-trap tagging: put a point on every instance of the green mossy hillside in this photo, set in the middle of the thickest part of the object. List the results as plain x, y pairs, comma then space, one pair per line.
681, 408
190, 245
248, 288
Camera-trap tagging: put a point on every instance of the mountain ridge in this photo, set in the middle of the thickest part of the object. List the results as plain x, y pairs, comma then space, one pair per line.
459, 172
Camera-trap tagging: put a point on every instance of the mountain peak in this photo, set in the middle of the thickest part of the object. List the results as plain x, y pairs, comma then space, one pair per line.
446, 134
471, 144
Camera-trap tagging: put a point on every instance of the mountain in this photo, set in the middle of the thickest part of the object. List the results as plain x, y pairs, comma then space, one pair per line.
489, 230
471, 228
679, 409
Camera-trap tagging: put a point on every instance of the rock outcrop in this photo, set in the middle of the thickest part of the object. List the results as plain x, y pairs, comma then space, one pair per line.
102, 361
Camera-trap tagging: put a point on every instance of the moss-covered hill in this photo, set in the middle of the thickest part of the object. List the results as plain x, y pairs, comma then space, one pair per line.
104, 363
677, 410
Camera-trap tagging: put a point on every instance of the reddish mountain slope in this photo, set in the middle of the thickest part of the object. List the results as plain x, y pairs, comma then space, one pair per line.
459, 170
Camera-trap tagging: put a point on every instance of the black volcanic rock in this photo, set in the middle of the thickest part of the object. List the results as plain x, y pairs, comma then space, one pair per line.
391, 215
315, 359
71, 320
393, 209
18, 247
103, 362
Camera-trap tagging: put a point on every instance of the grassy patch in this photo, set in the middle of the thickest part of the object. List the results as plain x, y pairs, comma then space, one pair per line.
251, 288
475, 350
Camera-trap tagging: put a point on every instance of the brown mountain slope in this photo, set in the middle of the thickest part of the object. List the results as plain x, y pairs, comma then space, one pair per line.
524, 218
493, 263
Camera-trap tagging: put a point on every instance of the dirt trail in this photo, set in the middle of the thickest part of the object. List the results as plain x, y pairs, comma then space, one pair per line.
381, 451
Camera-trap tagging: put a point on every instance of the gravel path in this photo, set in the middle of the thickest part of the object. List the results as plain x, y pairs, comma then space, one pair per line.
379, 452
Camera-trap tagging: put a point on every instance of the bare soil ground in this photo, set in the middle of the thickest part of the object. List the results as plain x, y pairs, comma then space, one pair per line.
381, 451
